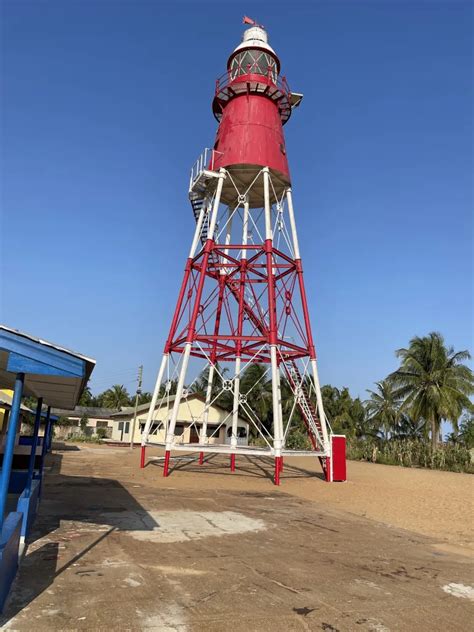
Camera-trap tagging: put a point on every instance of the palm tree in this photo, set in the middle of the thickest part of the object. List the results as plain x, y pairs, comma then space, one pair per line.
254, 383
219, 395
433, 382
346, 415
116, 397
465, 435
383, 407
408, 428
466, 431
357, 422
170, 387
200, 383
144, 398
86, 398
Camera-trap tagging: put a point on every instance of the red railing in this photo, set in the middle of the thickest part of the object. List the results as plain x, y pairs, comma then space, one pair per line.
230, 77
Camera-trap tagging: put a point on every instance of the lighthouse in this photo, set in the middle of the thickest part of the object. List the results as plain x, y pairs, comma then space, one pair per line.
242, 299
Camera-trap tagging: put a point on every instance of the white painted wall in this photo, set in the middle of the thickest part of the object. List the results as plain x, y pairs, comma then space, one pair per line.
189, 410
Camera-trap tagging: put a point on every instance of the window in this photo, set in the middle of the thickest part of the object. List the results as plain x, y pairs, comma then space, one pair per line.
120, 426
178, 430
241, 432
154, 426
127, 427
255, 62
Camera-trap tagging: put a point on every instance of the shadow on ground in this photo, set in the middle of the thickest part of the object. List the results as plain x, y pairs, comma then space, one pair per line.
59, 446
254, 467
41, 563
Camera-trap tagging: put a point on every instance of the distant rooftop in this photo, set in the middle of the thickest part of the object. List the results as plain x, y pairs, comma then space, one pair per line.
89, 411
51, 371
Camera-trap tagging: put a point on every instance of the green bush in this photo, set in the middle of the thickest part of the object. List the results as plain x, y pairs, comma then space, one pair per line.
101, 433
450, 457
83, 423
258, 442
298, 440
83, 438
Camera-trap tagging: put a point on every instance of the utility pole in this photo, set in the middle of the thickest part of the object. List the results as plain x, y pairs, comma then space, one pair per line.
137, 395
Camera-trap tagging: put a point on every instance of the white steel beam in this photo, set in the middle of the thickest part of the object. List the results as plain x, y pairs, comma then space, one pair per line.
156, 392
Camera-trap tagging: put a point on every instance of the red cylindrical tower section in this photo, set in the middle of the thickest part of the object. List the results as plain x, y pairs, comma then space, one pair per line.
251, 133
252, 103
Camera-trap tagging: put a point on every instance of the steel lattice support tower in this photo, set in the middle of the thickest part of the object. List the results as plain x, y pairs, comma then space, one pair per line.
242, 299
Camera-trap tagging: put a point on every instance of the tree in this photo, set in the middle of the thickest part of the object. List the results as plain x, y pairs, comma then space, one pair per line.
346, 415
116, 397
199, 385
220, 396
65, 421
83, 423
86, 398
433, 382
383, 407
408, 428
30, 402
144, 398
256, 387
466, 431
465, 436
173, 387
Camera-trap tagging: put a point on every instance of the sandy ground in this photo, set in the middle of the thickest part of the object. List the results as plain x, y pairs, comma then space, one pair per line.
119, 548
433, 503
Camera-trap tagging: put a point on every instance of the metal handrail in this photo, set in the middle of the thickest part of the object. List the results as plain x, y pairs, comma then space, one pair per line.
226, 79
207, 158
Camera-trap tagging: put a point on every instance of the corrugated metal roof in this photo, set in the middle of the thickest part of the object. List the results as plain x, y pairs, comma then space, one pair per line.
90, 411
52, 372
127, 410
46, 343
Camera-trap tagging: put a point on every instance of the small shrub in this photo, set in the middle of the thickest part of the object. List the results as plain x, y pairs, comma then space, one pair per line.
258, 442
83, 423
296, 440
83, 438
411, 453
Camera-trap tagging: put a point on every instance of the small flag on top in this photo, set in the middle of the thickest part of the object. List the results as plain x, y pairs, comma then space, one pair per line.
248, 20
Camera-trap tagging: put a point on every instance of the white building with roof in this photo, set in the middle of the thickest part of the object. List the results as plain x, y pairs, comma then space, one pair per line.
93, 419
188, 425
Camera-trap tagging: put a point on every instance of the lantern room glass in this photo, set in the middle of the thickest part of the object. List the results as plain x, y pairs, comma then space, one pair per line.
253, 61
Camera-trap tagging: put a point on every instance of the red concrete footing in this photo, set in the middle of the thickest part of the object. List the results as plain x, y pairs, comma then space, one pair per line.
232, 462
142, 457
328, 470
167, 463
201, 458
277, 470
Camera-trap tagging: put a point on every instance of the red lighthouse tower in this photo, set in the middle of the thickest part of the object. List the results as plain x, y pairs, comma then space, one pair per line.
242, 299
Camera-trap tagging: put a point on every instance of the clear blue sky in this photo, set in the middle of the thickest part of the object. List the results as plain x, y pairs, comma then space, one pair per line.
107, 104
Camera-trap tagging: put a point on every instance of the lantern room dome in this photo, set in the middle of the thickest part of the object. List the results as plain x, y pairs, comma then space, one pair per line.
256, 38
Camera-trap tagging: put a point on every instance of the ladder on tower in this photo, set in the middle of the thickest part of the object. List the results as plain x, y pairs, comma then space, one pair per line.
197, 200
307, 409
305, 405
202, 173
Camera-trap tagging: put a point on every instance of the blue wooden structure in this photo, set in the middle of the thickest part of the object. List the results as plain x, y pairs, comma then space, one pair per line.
55, 377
